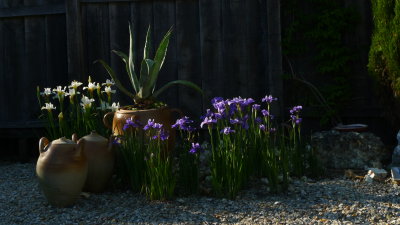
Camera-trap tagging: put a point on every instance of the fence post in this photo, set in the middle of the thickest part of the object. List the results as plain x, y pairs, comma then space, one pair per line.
275, 52
76, 59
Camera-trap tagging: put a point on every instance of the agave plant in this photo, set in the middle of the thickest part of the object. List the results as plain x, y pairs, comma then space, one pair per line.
145, 85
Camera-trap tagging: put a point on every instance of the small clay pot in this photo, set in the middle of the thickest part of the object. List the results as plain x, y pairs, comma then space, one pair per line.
61, 170
98, 151
163, 115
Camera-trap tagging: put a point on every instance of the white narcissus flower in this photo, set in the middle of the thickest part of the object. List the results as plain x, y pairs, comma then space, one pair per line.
59, 90
108, 90
114, 107
91, 86
47, 91
108, 83
72, 92
48, 107
86, 102
75, 84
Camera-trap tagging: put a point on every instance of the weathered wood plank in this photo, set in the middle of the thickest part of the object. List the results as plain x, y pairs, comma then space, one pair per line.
34, 68
76, 61
2, 68
211, 49
275, 52
110, 1
164, 18
187, 33
253, 42
97, 39
14, 50
56, 51
34, 10
119, 15
235, 57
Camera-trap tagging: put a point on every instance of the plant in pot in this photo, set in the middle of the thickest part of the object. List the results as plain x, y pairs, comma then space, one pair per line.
144, 97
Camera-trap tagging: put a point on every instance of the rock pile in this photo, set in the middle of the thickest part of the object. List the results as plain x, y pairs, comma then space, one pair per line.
343, 150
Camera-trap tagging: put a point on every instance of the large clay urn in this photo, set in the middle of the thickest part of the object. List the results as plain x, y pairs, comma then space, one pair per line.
163, 115
61, 170
98, 151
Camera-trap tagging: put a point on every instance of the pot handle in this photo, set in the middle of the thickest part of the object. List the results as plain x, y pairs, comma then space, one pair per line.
107, 119
43, 142
75, 138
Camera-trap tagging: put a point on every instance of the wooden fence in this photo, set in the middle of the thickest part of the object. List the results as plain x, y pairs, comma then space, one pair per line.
228, 47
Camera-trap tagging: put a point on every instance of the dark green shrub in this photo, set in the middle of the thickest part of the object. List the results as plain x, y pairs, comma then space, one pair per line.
384, 55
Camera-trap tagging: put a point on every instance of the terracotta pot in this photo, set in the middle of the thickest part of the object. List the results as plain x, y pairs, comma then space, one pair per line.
61, 170
161, 115
98, 151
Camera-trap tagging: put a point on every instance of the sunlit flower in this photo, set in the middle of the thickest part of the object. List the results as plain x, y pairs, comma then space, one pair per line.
183, 124
48, 107
227, 130
60, 90
72, 92
269, 99
108, 83
108, 90
130, 123
208, 121
86, 102
91, 86
114, 107
46, 92
75, 84
195, 148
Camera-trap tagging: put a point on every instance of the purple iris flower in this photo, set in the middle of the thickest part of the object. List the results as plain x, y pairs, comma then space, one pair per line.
247, 101
227, 130
272, 130
296, 109
218, 116
195, 148
157, 126
245, 125
232, 109
256, 107
262, 127
208, 121
220, 106
258, 120
163, 135
234, 121
265, 112
117, 141
182, 123
150, 124
130, 123
216, 99
269, 99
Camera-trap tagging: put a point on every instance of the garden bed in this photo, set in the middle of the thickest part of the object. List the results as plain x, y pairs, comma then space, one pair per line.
330, 200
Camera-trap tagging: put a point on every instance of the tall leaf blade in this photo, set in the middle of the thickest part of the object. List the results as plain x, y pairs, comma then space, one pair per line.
144, 76
147, 45
182, 82
132, 77
114, 77
159, 59
131, 55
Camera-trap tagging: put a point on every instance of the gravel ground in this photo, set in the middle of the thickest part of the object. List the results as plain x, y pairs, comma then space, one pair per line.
328, 201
